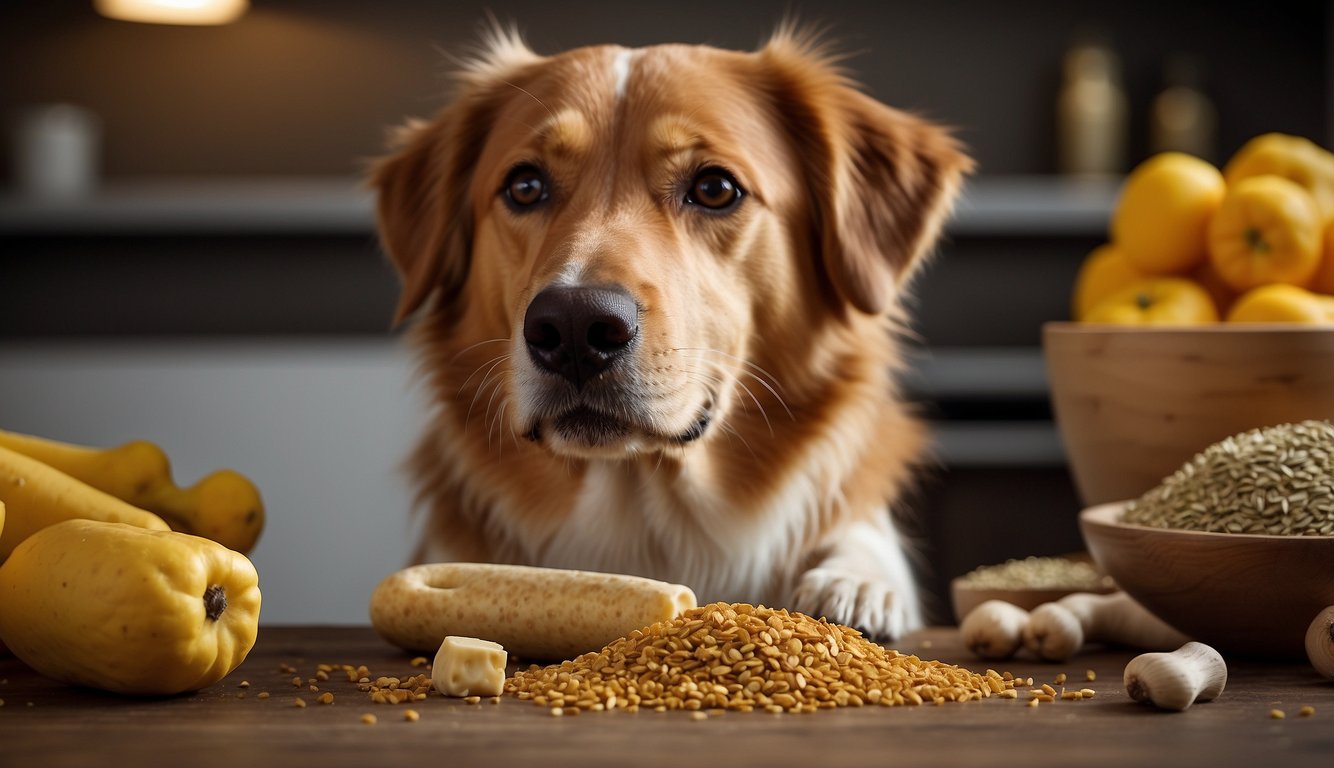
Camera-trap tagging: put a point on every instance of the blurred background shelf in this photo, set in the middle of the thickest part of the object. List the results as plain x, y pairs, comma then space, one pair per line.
334, 205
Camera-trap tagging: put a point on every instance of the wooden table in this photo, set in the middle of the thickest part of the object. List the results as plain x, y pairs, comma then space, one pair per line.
48, 724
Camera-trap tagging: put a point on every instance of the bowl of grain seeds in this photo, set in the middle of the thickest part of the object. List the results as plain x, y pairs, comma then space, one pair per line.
1134, 403
1235, 548
1027, 582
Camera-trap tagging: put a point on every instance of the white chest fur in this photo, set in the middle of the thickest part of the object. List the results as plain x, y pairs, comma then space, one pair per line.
630, 521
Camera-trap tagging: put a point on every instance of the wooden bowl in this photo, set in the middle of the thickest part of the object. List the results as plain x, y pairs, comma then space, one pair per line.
965, 598
1134, 404
1247, 594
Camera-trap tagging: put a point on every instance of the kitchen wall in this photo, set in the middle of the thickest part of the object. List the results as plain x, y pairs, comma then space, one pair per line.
308, 86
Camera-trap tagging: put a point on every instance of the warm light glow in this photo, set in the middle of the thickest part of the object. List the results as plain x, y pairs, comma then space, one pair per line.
173, 11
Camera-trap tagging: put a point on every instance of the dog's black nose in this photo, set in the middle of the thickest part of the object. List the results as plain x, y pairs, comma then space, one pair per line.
580, 331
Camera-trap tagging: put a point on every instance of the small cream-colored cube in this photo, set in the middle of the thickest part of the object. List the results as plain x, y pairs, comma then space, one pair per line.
466, 666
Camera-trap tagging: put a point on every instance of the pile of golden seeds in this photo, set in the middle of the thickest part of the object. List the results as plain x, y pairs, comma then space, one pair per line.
1037, 573
744, 658
1275, 480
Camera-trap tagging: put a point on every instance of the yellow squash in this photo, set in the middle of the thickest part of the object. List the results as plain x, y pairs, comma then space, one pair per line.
128, 610
1105, 271
224, 506
1268, 230
36, 495
1294, 158
1282, 303
1156, 301
1161, 218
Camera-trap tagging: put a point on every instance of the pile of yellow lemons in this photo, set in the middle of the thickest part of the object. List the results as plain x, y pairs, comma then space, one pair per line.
1190, 244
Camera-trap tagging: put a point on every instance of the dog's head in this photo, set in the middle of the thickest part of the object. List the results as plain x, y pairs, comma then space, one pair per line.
624, 246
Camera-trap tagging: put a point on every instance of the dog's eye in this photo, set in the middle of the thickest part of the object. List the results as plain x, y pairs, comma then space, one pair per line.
526, 186
715, 189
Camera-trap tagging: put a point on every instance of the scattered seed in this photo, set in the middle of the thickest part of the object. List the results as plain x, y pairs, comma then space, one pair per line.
472, 699
299, 703
1060, 678
369, 719
262, 695
243, 684
1277, 714
411, 715
1090, 675
326, 698
1307, 711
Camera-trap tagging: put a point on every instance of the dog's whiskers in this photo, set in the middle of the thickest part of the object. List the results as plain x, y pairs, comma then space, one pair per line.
492, 362
490, 377
471, 347
750, 370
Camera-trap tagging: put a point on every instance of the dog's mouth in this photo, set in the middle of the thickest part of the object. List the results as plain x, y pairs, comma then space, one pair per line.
586, 430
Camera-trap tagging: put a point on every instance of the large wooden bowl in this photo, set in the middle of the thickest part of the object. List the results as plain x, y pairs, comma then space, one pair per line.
1246, 594
1134, 404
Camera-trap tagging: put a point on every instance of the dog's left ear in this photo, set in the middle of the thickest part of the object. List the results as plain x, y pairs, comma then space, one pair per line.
883, 180
893, 182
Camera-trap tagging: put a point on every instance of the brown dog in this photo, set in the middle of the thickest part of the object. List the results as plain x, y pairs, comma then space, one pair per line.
661, 288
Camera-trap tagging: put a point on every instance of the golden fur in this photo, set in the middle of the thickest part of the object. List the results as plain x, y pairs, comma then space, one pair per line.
771, 324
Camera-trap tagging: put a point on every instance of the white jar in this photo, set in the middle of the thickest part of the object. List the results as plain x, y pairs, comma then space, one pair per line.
57, 151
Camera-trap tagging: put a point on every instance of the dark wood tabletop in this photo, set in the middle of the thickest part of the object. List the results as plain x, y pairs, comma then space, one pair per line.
43, 723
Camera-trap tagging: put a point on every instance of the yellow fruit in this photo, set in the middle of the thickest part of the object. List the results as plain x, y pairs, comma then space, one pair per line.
1294, 158
224, 506
1266, 231
1105, 271
1156, 301
1323, 281
1281, 303
36, 496
1162, 217
127, 609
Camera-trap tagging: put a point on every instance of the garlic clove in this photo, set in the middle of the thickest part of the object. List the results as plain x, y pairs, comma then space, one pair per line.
994, 629
1053, 633
1320, 643
1174, 681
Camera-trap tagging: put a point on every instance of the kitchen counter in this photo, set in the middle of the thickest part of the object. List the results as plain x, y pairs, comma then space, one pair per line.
48, 724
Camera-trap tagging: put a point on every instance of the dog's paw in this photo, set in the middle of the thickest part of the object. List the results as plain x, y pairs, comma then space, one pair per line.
870, 606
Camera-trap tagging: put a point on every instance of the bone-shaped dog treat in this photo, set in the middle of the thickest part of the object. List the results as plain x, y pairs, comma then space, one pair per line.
542, 613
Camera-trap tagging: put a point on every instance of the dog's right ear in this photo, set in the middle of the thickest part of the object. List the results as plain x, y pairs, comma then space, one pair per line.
422, 224
423, 186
